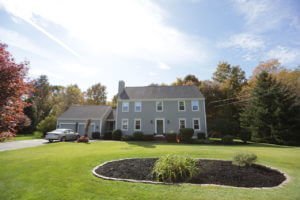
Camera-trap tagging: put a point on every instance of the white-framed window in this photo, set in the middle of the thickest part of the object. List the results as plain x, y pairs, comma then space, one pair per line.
196, 123
125, 107
137, 124
137, 106
159, 106
195, 105
182, 123
124, 124
181, 105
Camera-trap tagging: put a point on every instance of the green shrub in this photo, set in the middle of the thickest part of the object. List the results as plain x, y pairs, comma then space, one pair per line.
171, 137
138, 136
117, 134
46, 125
127, 137
201, 136
147, 137
227, 139
186, 134
245, 136
107, 135
38, 134
96, 135
244, 159
174, 168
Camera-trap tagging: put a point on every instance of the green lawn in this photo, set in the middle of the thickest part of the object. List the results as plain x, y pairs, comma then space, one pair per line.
63, 171
24, 137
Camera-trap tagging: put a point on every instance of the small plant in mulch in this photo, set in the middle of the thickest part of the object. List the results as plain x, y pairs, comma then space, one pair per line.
138, 136
175, 168
83, 139
244, 159
117, 134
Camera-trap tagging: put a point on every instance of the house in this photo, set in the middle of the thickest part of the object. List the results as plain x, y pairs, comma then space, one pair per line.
160, 109
149, 109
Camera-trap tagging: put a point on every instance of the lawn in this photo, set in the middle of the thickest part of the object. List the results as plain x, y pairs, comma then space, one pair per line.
63, 171
24, 137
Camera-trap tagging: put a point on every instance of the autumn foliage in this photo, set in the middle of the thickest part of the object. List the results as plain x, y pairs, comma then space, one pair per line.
13, 91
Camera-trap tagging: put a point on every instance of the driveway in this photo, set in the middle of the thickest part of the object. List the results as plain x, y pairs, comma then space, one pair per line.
21, 144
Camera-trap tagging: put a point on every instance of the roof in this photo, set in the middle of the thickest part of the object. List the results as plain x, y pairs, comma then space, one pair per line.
161, 92
112, 115
85, 112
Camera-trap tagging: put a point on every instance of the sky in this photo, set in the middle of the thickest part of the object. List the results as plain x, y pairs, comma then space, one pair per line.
84, 42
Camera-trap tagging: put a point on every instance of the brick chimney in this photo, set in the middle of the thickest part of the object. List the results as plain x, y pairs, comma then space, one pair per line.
121, 86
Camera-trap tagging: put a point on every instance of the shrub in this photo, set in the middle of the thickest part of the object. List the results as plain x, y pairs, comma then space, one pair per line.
244, 159
174, 168
127, 138
96, 135
201, 136
46, 125
38, 134
107, 135
138, 136
84, 139
171, 137
186, 134
245, 136
227, 139
117, 134
148, 137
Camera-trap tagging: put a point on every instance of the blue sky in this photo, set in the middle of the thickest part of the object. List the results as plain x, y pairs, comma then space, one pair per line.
143, 42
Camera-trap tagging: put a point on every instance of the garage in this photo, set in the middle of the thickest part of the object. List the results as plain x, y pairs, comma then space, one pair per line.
81, 129
68, 126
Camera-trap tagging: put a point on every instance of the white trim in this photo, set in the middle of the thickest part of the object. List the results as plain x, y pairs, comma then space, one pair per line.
117, 110
162, 99
164, 126
78, 118
179, 106
100, 127
123, 106
192, 105
198, 124
126, 119
205, 117
134, 125
135, 106
162, 106
184, 122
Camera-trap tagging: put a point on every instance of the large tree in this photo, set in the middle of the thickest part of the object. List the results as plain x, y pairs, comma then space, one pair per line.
14, 89
96, 94
73, 95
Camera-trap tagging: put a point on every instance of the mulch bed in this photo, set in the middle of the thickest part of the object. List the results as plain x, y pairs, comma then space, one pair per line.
211, 172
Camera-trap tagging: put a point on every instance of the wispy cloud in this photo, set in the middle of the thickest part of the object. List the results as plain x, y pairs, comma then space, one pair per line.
163, 66
284, 54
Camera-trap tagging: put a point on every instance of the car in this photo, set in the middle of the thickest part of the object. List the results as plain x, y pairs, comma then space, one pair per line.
62, 135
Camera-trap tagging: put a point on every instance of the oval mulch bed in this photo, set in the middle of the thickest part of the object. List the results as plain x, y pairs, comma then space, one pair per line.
217, 172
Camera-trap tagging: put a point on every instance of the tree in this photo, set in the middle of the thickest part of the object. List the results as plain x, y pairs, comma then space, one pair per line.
14, 90
73, 95
271, 114
96, 94
222, 72
187, 80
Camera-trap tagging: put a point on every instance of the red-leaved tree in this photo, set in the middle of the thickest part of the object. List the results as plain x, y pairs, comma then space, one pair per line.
13, 91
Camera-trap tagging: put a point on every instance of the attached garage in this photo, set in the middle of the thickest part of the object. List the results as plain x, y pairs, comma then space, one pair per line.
68, 126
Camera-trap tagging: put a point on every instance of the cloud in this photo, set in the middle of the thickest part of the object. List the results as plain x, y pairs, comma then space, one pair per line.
284, 54
163, 66
244, 41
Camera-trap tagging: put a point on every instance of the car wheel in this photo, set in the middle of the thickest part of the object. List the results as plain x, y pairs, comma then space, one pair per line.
50, 141
63, 139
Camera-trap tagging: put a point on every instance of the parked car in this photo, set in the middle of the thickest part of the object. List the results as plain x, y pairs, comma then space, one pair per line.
62, 135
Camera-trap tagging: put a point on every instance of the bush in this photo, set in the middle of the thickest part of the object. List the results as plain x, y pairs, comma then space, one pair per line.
38, 134
244, 159
245, 136
148, 137
84, 139
46, 125
107, 135
227, 139
96, 135
174, 168
171, 137
186, 134
201, 136
138, 136
127, 138
117, 134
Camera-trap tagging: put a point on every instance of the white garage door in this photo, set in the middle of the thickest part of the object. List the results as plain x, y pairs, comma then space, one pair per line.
68, 126
81, 129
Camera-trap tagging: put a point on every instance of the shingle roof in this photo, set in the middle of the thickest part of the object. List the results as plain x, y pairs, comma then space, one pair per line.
160, 92
112, 115
85, 111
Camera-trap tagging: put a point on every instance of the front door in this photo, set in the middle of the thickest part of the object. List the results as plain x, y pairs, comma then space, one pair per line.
159, 126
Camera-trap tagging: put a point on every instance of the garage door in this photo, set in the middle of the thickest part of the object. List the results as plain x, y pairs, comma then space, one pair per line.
68, 126
81, 129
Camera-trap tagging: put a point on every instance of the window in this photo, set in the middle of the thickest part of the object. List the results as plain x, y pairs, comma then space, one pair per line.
181, 123
196, 124
125, 107
137, 106
137, 124
181, 105
124, 124
195, 105
159, 106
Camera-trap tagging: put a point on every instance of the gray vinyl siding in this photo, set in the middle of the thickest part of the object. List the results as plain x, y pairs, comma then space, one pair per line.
170, 114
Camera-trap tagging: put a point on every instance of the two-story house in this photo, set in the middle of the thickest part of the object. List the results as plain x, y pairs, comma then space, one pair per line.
160, 109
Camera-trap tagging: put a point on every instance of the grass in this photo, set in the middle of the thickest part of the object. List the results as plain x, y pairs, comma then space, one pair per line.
63, 171
23, 137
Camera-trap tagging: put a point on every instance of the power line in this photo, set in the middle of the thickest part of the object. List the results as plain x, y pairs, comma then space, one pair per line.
212, 102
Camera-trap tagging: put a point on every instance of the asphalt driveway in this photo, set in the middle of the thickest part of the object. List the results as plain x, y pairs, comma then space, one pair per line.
21, 144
